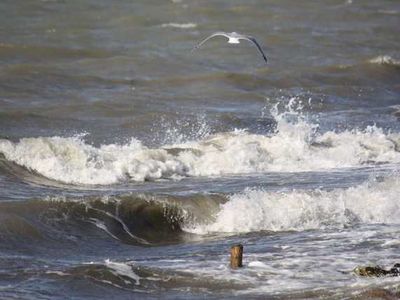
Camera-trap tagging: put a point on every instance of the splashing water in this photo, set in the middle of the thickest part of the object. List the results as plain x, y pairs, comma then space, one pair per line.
296, 145
255, 210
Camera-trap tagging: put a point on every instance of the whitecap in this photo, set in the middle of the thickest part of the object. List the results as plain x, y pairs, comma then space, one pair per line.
257, 210
179, 25
385, 60
295, 146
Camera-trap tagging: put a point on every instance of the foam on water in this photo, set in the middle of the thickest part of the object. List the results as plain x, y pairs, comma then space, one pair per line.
254, 210
71, 160
180, 25
385, 60
296, 145
122, 269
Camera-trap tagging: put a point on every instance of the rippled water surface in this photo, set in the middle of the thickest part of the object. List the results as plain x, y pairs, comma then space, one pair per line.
130, 165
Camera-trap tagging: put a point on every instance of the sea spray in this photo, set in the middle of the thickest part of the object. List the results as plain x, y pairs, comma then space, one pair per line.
294, 146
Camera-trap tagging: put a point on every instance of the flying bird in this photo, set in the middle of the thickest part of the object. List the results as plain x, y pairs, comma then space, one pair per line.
233, 38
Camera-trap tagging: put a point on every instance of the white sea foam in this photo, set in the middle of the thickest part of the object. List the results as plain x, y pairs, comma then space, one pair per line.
180, 25
385, 60
256, 210
295, 146
257, 264
123, 269
59, 273
70, 160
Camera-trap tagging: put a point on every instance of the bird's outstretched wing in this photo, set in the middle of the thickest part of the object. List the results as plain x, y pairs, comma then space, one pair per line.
254, 41
233, 36
219, 33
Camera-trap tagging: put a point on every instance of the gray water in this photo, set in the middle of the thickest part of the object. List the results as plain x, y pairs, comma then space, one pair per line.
130, 165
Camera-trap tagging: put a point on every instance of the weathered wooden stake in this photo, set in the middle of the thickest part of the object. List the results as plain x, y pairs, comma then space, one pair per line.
236, 256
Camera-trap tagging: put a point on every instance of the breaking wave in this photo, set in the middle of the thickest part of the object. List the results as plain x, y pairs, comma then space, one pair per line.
295, 145
144, 219
137, 219
372, 202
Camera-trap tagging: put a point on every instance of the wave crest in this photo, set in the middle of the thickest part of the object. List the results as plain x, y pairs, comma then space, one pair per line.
295, 145
256, 210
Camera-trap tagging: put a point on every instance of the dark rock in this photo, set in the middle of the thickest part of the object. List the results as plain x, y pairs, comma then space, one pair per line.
395, 270
370, 271
376, 271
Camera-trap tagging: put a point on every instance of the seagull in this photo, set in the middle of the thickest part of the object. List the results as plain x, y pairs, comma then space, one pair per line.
233, 38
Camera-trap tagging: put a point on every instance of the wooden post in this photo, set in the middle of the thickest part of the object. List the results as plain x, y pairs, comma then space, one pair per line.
236, 256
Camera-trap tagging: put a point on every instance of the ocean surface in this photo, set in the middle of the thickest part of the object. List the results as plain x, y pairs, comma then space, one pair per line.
130, 165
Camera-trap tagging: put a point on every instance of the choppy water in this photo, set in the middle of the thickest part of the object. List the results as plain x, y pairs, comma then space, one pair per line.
129, 165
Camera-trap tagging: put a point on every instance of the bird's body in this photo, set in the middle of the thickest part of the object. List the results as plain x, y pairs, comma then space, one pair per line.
233, 38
